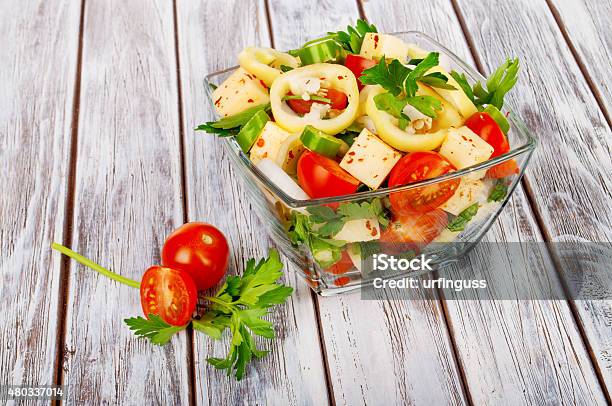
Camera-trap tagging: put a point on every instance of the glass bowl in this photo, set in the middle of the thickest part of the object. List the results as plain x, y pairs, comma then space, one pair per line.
276, 209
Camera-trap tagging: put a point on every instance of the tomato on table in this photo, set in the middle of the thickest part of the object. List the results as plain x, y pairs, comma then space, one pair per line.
338, 99
342, 266
320, 176
169, 293
357, 64
487, 128
199, 249
415, 167
415, 230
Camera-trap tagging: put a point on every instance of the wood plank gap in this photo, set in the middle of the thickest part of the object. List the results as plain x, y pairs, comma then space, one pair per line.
269, 20
530, 194
328, 380
69, 211
361, 9
184, 197
596, 94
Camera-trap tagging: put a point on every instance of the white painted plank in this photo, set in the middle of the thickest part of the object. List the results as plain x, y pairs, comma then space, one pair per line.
378, 352
587, 24
511, 352
37, 75
211, 34
569, 176
127, 199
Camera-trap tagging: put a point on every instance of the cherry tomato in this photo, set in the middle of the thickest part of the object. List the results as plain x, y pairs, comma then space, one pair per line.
320, 176
199, 249
415, 167
487, 128
357, 64
342, 266
414, 231
339, 101
169, 293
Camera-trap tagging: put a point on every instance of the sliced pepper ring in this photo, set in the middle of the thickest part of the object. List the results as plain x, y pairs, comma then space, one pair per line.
334, 76
265, 63
388, 131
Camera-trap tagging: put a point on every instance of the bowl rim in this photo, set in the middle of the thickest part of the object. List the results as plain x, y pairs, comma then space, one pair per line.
517, 124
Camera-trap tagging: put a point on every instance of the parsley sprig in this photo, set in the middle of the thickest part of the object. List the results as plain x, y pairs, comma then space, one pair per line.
231, 125
463, 218
352, 38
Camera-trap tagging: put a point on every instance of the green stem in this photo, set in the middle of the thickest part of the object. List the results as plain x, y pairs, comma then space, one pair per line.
313, 97
221, 302
89, 263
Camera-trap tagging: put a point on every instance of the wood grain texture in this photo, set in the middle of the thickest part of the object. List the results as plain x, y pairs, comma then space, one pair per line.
514, 352
569, 176
37, 77
378, 352
587, 24
293, 373
127, 198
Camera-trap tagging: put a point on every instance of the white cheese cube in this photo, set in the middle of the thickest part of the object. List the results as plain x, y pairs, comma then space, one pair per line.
463, 148
238, 92
369, 159
269, 143
469, 192
359, 230
376, 45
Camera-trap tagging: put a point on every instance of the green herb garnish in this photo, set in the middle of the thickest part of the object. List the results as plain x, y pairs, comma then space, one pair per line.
459, 222
352, 39
229, 126
498, 192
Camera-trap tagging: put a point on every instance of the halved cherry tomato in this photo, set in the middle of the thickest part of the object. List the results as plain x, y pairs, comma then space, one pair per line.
342, 266
199, 249
487, 128
415, 167
338, 99
357, 64
169, 293
320, 176
414, 231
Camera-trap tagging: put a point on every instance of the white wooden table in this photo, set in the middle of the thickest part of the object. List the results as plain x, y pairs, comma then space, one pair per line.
98, 99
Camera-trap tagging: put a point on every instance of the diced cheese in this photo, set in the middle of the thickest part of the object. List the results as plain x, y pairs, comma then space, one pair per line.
354, 253
238, 92
369, 159
359, 230
289, 153
463, 148
376, 45
469, 192
269, 143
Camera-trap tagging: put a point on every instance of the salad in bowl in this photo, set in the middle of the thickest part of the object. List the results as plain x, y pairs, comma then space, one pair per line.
360, 143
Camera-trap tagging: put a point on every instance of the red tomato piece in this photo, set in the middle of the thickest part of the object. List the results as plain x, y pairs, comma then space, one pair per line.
415, 167
343, 266
505, 169
416, 230
320, 176
338, 99
199, 249
357, 64
169, 293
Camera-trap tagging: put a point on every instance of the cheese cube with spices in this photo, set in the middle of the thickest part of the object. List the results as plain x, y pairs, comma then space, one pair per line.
376, 45
463, 148
238, 92
369, 159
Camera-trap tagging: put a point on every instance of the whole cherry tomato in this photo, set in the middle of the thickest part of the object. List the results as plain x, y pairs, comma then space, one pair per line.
169, 293
415, 167
357, 64
338, 99
199, 249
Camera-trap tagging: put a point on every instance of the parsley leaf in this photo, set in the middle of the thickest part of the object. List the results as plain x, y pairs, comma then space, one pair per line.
285, 68
394, 106
425, 104
498, 193
437, 79
410, 84
228, 126
459, 222
155, 329
391, 77
352, 39
499, 84
463, 83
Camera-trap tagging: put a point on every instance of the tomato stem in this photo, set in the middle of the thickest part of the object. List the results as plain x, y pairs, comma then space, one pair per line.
89, 263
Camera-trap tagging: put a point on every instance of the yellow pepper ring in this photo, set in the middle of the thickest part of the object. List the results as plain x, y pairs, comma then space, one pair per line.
335, 76
389, 132
265, 63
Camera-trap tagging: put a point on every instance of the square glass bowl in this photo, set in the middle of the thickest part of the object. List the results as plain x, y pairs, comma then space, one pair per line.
275, 208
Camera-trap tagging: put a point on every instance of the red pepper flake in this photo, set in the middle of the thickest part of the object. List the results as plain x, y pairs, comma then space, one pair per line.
250, 101
368, 225
291, 155
350, 161
464, 139
261, 142
375, 41
360, 159
374, 232
385, 158
263, 84
321, 78
218, 101
340, 77
375, 176
351, 153
242, 81
265, 155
